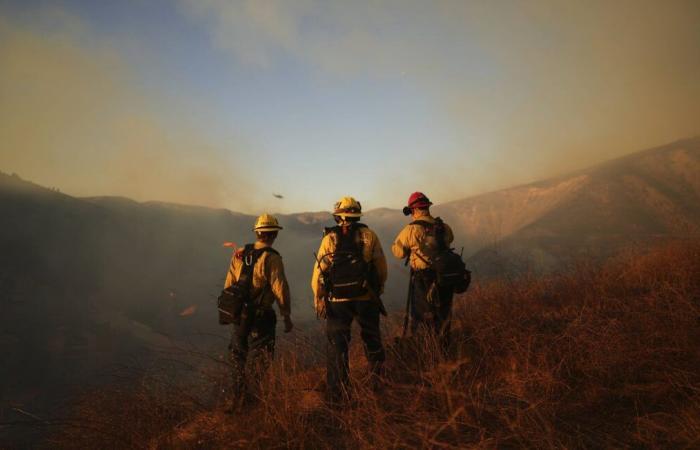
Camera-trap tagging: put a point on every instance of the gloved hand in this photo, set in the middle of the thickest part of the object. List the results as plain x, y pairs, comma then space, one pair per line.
320, 306
288, 325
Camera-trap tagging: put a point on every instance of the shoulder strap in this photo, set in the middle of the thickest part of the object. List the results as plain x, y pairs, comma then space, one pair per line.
250, 257
423, 223
359, 243
440, 233
357, 237
354, 234
335, 232
336, 229
257, 254
438, 226
247, 250
260, 251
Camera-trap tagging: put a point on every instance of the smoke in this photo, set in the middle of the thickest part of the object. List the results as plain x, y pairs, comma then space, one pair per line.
73, 116
508, 92
528, 89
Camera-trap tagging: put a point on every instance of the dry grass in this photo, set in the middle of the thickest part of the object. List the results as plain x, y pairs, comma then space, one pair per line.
601, 357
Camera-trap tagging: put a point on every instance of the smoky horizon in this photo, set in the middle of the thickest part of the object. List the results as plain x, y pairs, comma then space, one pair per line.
226, 104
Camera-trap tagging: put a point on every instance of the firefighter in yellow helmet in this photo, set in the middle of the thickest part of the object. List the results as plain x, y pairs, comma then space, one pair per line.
348, 278
257, 268
420, 241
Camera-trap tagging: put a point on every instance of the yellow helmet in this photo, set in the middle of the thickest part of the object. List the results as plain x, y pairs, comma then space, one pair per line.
347, 207
266, 222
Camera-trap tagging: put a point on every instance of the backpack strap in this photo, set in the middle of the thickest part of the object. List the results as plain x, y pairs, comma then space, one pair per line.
250, 258
258, 252
354, 229
359, 243
438, 226
266, 249
426, 226
440, 233
422, 223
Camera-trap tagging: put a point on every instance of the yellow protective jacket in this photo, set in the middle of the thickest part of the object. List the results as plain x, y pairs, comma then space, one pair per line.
411, 240
268, 279
371, 251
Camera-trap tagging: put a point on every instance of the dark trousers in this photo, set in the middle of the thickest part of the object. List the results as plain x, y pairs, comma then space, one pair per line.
431, 307
258, 339
338, 323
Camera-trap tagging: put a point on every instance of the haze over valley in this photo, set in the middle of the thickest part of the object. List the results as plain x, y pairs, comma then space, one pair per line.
140, 140
91, 282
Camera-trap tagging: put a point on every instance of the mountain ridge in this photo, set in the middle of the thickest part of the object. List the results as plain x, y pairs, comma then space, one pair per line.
106, 278
661, 182
654, 193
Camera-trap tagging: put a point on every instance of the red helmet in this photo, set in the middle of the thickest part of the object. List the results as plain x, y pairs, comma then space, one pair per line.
418, 200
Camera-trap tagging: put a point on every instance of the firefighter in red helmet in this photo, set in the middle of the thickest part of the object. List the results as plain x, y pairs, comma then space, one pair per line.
420, 242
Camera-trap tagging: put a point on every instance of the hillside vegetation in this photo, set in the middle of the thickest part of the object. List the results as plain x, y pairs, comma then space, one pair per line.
87, 284
599, 357
594, 212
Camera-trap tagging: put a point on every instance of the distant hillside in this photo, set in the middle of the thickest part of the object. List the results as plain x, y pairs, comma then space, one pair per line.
636, 199
88, 282
123, 252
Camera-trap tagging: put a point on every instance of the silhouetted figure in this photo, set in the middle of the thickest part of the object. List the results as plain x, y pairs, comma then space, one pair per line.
256, 276
420, 242
347, 281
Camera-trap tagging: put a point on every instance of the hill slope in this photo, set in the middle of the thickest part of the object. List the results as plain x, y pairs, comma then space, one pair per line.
604, 357
85, 283
593, 212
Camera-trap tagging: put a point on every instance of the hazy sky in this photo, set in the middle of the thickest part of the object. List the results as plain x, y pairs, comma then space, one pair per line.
224, 103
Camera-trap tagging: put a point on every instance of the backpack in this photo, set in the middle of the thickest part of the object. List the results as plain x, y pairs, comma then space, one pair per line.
234, 303
450, 270
347, 276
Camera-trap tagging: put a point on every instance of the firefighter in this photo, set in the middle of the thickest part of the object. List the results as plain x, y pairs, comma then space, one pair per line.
254, 331
419, 242
348, 279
